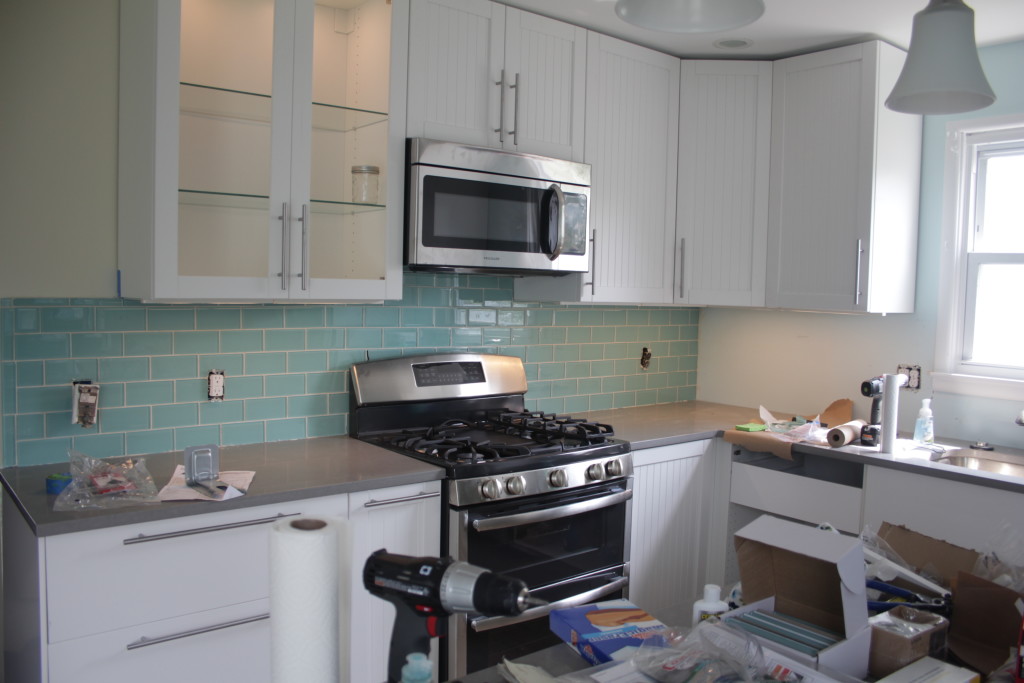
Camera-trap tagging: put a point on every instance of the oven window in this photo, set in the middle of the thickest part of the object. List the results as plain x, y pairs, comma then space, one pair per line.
472, 214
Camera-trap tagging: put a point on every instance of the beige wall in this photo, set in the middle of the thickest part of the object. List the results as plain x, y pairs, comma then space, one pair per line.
58, 146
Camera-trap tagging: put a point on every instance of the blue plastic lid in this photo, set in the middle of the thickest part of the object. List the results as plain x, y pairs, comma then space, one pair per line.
418, 669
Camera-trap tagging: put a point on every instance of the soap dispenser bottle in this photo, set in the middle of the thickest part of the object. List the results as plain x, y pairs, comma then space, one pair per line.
711, 605
924, 428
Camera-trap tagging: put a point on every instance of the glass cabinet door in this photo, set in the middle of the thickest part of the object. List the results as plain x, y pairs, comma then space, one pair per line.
225, 149
347, 229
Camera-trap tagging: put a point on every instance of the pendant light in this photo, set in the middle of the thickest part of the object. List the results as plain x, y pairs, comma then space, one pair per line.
942, 73
689, 16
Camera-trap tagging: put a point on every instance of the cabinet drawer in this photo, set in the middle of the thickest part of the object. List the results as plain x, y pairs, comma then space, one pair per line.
231, 643
123, 576
791, 495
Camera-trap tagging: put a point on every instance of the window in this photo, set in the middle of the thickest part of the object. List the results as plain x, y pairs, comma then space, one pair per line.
980, 337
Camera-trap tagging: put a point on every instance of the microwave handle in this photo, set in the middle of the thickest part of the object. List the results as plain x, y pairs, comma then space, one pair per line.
557, 250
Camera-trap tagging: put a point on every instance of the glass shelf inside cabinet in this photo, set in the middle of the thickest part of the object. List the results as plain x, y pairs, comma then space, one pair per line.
344, 119
222, 102
343, 208
228, 200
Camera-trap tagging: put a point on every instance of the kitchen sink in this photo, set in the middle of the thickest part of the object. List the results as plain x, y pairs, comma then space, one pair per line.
987, 461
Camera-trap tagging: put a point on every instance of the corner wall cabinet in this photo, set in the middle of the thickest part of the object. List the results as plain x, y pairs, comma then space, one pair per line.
238, 126
631, 132
176, 596
845, 172
722, 208
484, 74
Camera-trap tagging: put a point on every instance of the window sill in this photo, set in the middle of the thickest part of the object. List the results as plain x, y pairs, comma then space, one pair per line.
975, 385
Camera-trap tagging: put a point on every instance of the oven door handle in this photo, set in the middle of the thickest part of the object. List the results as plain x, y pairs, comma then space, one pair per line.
487, 623
518, 519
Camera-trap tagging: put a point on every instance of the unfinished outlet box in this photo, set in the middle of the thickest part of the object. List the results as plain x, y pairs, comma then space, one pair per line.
913, 373
645, 358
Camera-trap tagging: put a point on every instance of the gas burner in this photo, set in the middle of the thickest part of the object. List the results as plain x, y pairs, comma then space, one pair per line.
549, 426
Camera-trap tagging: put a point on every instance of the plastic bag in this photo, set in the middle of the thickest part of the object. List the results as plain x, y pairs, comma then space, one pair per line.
102, 484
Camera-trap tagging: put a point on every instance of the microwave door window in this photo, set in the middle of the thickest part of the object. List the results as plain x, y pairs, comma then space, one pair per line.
486, 216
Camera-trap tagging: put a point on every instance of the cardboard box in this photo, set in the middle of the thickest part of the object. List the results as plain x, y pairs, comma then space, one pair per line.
932, 671
814, 575
985, 624
604, 631
904, 635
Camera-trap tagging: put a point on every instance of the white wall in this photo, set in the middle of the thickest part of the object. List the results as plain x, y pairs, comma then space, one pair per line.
58, 145
800, 362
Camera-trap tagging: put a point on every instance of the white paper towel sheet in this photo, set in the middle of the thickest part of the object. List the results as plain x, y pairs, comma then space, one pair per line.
308, 599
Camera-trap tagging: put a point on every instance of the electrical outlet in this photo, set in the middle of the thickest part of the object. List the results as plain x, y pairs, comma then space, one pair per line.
215, 385
913, 373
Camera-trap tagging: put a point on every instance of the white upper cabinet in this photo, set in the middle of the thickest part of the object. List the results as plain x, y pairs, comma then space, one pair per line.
239, 126
842, 228
722, 209
632, 130
484, 74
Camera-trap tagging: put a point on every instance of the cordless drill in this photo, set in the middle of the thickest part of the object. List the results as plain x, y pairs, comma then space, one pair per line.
425, 590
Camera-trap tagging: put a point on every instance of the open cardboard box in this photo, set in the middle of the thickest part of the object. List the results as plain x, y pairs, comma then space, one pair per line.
985, 623
810, 574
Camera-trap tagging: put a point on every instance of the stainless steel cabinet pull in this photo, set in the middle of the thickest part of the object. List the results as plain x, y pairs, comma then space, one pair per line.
593, 262
560, 196
146, 642
856, 286
143, 538
404, 499
500, 130
488, 623
506, 521
304, 275
682, 265
515, 112
285, 221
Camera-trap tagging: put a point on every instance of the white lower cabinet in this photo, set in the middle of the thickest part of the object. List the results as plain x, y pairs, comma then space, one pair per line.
188, 598
667, 549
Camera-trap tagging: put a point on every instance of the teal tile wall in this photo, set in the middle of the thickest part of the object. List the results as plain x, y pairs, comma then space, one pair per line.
287, 365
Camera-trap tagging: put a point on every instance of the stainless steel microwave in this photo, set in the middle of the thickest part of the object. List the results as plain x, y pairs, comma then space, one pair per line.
472, 209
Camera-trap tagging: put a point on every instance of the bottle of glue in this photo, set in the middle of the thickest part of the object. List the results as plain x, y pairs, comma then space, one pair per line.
711, 605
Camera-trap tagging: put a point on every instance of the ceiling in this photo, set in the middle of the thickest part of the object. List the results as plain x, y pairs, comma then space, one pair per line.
789, 26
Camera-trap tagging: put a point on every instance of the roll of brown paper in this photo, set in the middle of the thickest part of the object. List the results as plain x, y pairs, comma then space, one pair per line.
845, 433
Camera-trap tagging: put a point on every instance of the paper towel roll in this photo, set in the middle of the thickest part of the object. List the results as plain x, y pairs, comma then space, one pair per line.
308, 560
890, 409
848, 432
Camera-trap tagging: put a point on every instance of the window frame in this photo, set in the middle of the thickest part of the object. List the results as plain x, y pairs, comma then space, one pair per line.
958, 267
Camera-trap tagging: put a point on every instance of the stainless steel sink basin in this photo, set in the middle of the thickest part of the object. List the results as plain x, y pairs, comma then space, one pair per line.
987, 461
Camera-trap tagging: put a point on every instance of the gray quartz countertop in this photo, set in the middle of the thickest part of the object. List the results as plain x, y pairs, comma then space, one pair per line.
669, 423
285, 471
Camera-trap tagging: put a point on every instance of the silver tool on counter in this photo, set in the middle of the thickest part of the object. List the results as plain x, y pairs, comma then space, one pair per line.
202, 471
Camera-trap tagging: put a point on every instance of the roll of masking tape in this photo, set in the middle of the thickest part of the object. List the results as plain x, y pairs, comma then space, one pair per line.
55, 483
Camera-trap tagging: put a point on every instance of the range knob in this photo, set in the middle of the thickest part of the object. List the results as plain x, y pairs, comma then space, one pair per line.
595, 472
516, 485
490, 489
558, 479
613, 468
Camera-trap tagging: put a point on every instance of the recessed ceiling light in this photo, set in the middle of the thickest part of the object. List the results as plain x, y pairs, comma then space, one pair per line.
733, 43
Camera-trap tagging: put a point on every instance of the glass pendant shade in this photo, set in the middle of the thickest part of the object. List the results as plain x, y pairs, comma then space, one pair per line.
942, 74
689, 16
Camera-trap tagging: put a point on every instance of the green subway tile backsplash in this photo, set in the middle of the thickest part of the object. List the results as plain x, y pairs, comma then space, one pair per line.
287, 365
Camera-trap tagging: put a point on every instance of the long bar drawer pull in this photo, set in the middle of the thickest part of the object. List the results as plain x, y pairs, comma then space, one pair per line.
404, 499
142, 538
146, 642
546, 515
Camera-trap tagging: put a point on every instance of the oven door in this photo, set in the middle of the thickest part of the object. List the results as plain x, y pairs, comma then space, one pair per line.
464, 219
569, 548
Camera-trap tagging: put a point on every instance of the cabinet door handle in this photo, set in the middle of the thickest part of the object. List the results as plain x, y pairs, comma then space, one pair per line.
404, 499
856, 285
143, 538
515, 111
304, 275
593, 261
285, 220
146, 642
500, 130
682, 265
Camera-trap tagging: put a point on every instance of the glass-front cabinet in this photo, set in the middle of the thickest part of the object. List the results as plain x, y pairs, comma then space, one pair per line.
254, 151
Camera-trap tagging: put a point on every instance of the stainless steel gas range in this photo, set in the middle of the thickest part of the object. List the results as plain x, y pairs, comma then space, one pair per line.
545, 498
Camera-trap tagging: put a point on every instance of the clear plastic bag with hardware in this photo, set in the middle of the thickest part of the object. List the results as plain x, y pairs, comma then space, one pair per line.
101, 484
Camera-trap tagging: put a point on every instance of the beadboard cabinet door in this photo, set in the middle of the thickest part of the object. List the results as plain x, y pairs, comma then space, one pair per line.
632, 127
668, 537
483, 74
845, 171
722, 208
